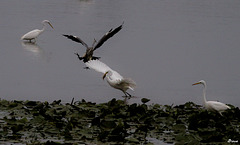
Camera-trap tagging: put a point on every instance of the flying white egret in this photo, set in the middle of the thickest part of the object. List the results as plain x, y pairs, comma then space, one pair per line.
89, 50
32, 35
212, 105
114, 79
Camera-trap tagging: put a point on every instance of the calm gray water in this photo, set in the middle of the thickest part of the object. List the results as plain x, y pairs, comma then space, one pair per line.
164, 46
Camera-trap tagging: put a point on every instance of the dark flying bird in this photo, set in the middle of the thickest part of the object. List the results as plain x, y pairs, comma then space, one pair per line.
89, 50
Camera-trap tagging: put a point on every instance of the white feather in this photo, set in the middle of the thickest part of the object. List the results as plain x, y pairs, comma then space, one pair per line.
114, 79
98, 66
32, 35
212, 105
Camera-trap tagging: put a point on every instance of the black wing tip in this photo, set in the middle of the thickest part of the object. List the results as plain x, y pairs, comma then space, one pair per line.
67, 35
70, 36
122, 23
110, 30
119, 27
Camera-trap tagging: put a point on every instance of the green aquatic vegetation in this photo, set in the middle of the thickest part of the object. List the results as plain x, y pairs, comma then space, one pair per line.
114, 122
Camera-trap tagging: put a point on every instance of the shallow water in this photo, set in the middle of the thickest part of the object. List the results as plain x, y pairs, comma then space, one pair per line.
164, 46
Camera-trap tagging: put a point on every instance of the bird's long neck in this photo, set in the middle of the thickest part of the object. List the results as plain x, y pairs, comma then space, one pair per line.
204, 93
43, 28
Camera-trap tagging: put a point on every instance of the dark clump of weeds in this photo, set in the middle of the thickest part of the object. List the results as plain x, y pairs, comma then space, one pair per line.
114, 122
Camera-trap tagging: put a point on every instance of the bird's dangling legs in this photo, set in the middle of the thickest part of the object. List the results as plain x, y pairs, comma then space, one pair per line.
31, 41
125, 100
220, 113
79, 57
127, 95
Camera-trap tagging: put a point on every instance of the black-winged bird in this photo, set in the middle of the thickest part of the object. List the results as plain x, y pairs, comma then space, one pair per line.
89, 50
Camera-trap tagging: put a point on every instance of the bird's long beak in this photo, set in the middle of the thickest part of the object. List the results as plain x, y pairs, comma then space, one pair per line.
50, 24
196, 83
104, 75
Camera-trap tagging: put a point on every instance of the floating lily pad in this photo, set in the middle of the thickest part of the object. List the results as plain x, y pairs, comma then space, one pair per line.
145, 100
114, 122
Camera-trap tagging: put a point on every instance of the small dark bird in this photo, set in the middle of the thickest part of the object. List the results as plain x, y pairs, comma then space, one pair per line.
89, 51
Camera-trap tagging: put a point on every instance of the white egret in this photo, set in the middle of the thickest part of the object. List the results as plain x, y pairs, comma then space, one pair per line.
89, 50
114, 79
32, 35
212, 105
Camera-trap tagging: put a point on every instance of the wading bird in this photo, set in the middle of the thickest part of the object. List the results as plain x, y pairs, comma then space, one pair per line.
114, 79
212, 105
32, 35
89, 50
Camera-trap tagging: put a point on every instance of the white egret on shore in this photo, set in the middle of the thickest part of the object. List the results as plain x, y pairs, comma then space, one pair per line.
32, 35
212, 105
114, 79
89, 50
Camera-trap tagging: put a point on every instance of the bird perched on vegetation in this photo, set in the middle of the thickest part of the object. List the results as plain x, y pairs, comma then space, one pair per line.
114, 79
212, 105
32, 35
89, 50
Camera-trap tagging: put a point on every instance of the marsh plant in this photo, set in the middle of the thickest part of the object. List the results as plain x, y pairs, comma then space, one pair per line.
114, 122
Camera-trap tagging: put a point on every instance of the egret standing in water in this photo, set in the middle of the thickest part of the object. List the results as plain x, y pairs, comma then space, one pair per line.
89, 50
114, 79
212, 105
32, 35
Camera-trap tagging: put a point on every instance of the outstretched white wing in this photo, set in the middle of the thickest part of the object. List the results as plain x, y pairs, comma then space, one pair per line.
103, 68
114, 79
98, 66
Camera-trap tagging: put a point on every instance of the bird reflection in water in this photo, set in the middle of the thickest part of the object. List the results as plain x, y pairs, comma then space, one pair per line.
32, 47
35, 50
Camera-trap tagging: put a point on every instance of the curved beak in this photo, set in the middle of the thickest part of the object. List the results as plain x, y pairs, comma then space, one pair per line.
196, 83
50, 24
104, 75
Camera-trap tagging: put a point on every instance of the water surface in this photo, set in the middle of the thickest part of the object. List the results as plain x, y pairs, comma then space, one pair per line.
164, 46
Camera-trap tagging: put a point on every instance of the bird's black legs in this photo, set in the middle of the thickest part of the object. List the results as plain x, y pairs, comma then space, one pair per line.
85, 59
79, 57
127, 95
32, 41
